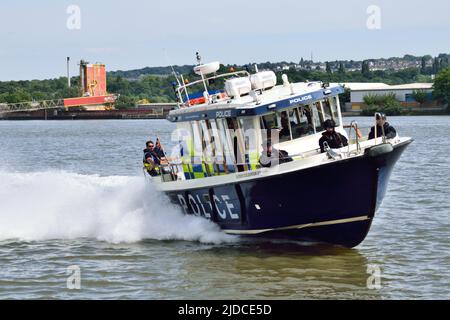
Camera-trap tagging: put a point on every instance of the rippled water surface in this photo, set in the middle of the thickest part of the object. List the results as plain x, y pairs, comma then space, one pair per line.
72, 194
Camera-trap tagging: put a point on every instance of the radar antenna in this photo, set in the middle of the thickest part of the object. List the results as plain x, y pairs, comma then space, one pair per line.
199, 58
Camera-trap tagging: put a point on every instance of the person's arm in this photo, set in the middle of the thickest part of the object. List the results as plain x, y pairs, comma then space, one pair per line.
322, 147
149, 160
372, 133
344, 140
265, 161
391, 132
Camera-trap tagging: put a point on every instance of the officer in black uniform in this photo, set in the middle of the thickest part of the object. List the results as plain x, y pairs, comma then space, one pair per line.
334, 139
389, 130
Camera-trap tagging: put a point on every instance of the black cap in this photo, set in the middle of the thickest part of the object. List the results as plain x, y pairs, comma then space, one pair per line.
382, 115
329, 123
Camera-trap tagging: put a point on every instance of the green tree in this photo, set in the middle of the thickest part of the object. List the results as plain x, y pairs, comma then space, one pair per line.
345, 97
441, 87
420, 96
386, 103
341, 68
328, 67
423, 67
436, 65
365, 70
126, 102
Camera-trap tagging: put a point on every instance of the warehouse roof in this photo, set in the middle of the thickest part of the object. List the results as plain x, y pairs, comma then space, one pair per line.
368, 86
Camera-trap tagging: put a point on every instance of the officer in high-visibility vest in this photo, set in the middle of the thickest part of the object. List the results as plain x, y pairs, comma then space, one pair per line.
151, 160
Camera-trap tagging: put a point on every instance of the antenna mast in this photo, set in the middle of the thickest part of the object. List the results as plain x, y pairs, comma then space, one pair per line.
68, 72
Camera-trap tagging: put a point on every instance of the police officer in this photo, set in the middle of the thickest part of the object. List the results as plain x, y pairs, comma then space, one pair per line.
334, 139
382, 124
151, 160
271, 156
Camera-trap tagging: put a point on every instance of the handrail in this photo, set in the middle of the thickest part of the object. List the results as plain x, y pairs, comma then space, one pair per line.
376, 128
31, 105
204, 80
235, 73
354, 125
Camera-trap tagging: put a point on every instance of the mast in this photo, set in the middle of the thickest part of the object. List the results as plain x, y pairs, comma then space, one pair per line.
68, 72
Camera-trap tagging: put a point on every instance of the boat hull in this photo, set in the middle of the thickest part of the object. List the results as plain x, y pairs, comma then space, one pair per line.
333, 202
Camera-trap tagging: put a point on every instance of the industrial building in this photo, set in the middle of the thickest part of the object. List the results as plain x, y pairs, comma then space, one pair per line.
403, 93
93, 94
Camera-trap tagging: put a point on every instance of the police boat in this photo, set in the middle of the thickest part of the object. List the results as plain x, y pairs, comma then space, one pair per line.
215, 170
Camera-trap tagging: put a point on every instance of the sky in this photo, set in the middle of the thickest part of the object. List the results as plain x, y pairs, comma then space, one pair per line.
37, 36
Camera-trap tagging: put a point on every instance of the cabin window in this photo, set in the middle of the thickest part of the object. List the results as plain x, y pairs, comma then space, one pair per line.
227, 145
334, 109
327, 109
285, 129
209, 150
317, 116
270, 122
277, 121
199, 149
301, 122
217, 147
238, 143
251, 130
197, 139
203, 155
295, 123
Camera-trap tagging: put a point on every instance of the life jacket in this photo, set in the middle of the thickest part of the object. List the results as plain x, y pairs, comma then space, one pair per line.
152, 169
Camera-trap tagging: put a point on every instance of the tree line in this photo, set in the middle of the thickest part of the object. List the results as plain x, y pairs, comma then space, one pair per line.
159, 88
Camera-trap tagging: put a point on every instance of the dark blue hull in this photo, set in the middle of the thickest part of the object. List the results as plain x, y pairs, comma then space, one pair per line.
333, 203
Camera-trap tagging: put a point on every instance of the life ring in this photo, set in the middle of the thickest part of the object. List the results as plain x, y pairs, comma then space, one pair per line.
202, 100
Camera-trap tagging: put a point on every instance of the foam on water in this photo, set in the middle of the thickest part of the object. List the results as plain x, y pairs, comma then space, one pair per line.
63, 205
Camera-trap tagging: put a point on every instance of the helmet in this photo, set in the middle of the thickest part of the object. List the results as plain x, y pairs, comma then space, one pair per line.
329, 124
381, 116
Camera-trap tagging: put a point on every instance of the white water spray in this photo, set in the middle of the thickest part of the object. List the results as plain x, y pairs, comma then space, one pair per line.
61, 205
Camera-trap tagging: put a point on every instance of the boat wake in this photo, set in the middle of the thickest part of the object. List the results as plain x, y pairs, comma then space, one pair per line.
62, 205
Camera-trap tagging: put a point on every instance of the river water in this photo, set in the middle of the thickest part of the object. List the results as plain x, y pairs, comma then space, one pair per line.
73, 198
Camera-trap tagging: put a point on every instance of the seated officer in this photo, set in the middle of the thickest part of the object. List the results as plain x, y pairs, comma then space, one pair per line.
271, 156
382, 124
334, 139
151, 160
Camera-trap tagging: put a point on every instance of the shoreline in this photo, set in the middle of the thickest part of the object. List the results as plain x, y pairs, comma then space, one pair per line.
141, 114
84, 115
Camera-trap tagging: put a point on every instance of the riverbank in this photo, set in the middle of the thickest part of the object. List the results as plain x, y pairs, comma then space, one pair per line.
84, 115
149, 114
433, 112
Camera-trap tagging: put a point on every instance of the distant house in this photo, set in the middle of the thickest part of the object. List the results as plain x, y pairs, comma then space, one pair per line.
403, 93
